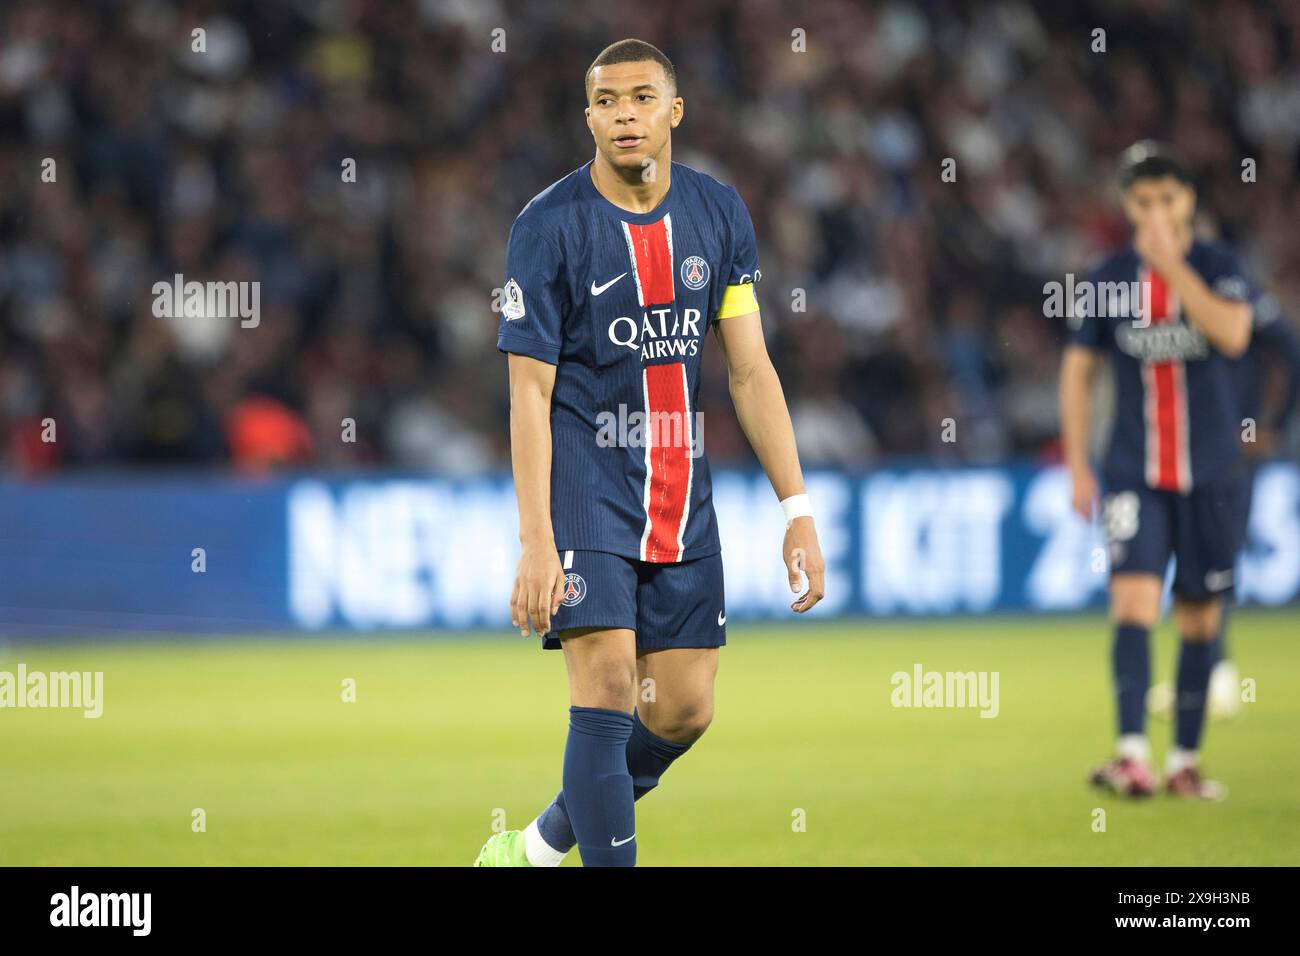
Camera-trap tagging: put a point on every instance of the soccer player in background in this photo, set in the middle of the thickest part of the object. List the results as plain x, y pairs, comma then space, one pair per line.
614, 275
1174, 474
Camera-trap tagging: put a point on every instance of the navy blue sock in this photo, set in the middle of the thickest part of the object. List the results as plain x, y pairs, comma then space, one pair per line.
648, 756
598, 787
1131, 660
554, 826
1195, 661
1221, 639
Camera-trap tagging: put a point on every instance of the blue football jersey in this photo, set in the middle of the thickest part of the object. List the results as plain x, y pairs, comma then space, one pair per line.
1176, 410
620, 303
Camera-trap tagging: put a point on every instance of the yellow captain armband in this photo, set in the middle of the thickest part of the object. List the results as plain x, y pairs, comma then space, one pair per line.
738, 300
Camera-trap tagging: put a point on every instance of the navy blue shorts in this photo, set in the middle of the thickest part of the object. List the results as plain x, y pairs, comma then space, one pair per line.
667, 605
1202, 531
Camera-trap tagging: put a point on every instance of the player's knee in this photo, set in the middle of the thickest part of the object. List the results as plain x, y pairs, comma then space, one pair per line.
1132, 613
612, 685
684, 725
1134, 606
1198, 622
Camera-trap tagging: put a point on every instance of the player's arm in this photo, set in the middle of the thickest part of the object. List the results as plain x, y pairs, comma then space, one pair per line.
1078, 368
765, 419
1224, 322
539, 580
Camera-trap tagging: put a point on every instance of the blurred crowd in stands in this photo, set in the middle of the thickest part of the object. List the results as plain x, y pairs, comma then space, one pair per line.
924, 298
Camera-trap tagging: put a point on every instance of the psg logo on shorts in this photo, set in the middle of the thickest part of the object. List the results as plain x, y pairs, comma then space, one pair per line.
575, 589
695, 273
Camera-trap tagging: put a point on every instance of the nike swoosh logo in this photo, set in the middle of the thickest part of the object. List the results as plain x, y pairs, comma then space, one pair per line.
598, 289
722, 619
612, 841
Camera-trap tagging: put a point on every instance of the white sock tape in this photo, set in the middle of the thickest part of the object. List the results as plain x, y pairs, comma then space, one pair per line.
796, 506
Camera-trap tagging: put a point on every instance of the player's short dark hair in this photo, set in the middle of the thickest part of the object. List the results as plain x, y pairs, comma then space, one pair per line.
1148, 159
633, 51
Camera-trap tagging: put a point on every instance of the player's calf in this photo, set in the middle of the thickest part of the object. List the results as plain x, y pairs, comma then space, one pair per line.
1198, 625
1134, 609
551, 835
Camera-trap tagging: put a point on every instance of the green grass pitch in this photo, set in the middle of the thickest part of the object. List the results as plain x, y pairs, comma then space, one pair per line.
449, 735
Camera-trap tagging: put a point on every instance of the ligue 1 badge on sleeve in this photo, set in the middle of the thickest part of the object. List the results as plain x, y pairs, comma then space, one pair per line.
695, 273
512, 301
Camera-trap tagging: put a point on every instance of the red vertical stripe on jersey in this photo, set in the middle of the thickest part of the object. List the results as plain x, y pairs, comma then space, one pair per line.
668, 461
652, 258
1166, 414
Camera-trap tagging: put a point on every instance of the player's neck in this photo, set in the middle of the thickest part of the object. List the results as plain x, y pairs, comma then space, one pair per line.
628, 189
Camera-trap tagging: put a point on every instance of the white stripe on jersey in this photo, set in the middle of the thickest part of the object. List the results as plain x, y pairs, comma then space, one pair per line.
687, 433
645, 499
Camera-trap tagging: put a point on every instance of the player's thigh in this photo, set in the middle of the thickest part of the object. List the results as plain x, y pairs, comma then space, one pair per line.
596, 626
1208, 529
675, 691
602, 667
1139, 540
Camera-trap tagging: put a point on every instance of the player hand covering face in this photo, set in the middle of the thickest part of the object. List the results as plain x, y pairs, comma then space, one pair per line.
615, 275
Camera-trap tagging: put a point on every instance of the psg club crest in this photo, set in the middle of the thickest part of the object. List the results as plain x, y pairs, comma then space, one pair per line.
695, 273
575, 589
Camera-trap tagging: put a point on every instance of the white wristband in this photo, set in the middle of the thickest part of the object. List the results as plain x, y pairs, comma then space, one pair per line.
796, 506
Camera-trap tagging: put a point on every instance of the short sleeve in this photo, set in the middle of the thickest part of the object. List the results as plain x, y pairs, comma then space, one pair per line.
534, 299
1230, 280
1083, 325
742, 264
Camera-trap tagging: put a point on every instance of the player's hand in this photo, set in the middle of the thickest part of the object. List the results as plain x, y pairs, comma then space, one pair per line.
1156, 245
1085, 493
803, 557
539, 588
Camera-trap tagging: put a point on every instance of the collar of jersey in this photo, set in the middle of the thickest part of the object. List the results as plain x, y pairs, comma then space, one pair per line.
640, 218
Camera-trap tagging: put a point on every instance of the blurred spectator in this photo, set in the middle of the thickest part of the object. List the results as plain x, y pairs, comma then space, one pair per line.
923, 296
263, 435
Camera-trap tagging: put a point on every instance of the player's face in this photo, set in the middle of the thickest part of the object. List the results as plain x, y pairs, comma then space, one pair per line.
631, 110
1166, 198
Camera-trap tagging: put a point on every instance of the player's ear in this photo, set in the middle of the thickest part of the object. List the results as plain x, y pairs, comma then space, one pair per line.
679, 110
587, 113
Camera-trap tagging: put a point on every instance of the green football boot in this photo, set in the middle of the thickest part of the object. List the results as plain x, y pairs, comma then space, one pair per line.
504, 849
